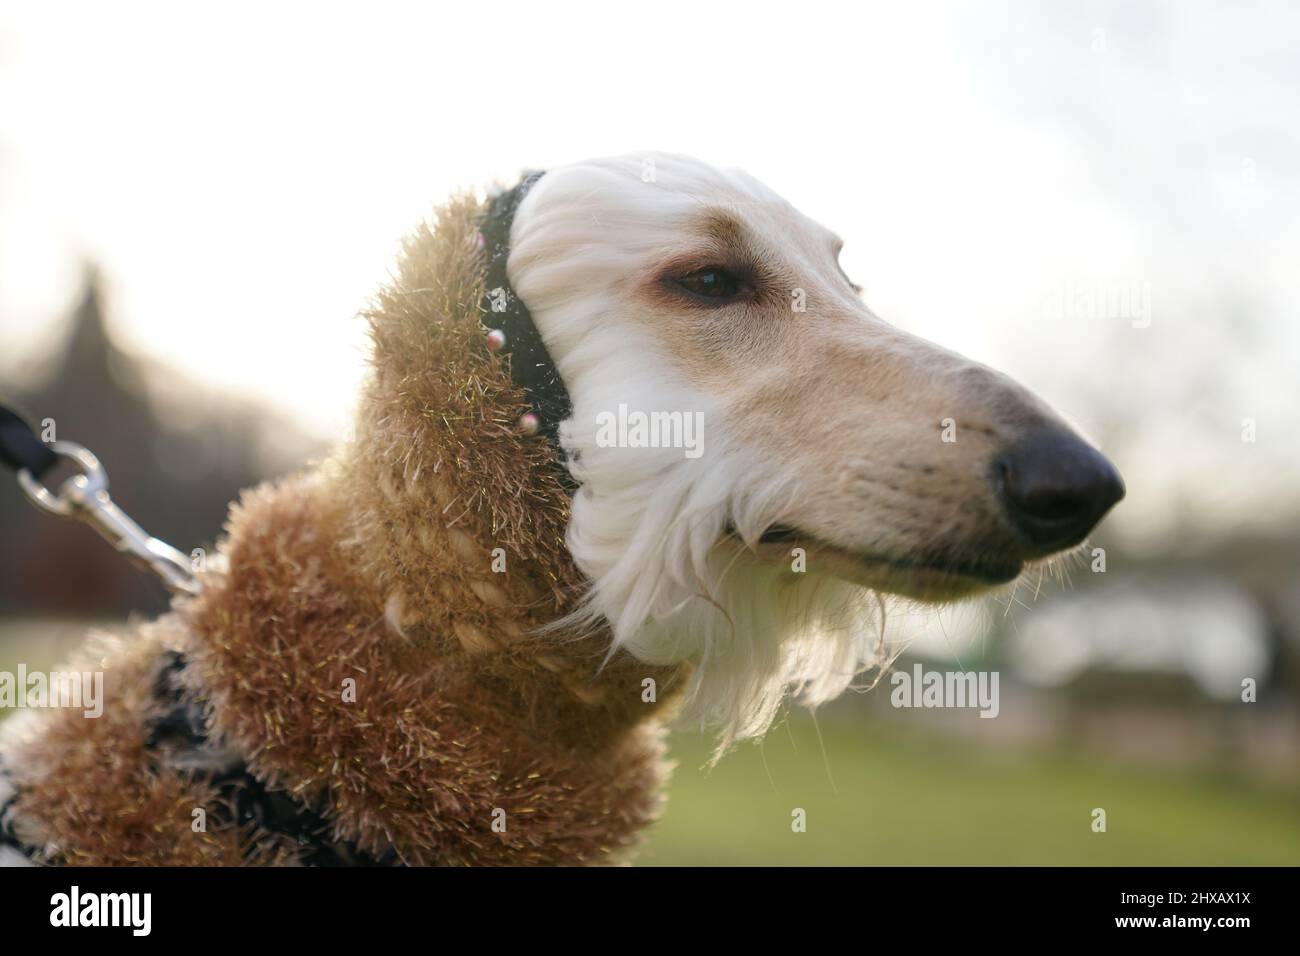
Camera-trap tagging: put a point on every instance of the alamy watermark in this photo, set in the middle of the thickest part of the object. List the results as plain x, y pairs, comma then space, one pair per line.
83, 690
637, 429
943, 689
1127, 300
74, 908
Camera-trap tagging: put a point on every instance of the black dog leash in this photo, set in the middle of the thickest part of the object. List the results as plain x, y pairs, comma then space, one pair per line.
21, 449
85, 497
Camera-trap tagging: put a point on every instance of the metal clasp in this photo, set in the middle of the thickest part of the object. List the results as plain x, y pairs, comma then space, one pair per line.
85, 497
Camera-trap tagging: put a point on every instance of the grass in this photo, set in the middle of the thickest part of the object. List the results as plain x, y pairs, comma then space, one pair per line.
905, 798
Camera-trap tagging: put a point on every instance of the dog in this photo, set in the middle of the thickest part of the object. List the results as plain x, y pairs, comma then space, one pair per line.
632, 451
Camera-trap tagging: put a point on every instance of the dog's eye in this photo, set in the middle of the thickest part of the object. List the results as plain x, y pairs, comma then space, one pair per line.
710, 284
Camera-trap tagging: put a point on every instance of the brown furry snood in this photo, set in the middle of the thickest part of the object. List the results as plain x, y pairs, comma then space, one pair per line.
361, 679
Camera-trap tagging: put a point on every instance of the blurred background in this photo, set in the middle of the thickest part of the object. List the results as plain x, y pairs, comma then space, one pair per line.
1102, 200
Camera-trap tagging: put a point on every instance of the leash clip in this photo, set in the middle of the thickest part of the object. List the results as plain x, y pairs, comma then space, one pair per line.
85, 497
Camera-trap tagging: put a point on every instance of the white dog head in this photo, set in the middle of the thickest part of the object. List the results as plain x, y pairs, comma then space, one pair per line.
758, 454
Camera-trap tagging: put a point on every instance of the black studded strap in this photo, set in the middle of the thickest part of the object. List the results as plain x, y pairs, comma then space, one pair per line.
176, 737
179, 731
514, 332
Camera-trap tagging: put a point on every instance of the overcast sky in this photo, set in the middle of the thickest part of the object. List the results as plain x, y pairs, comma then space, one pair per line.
243, 172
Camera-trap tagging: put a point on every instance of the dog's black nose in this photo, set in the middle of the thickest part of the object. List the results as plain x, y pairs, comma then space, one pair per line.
1056, 487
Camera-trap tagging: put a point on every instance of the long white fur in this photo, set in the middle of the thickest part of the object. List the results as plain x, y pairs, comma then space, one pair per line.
647, 522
